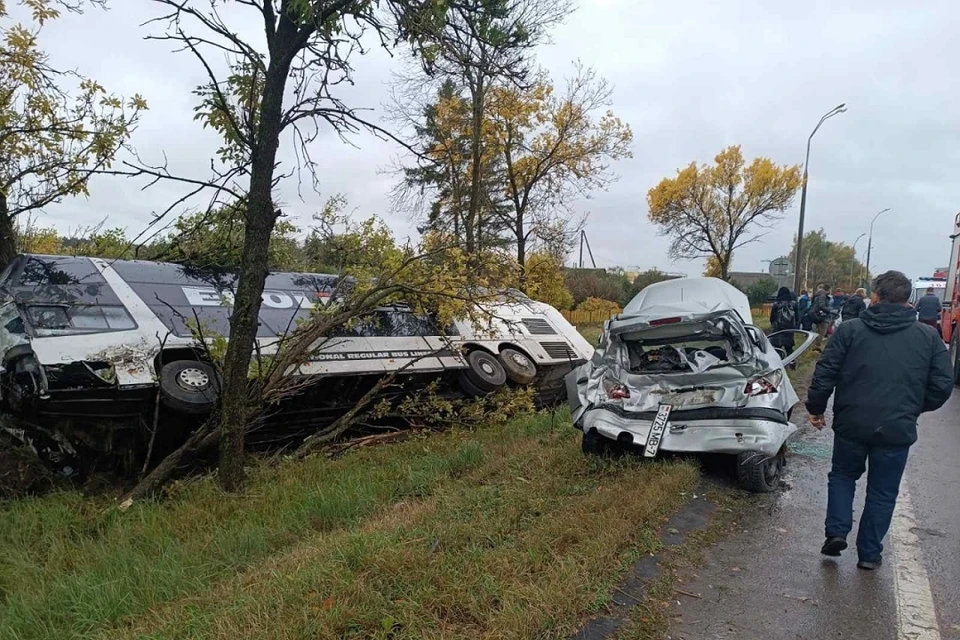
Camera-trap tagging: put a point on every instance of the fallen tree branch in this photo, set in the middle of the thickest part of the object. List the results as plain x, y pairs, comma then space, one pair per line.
367, 441
199, 441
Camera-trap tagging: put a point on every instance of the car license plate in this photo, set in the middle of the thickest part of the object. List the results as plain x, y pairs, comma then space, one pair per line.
656, 430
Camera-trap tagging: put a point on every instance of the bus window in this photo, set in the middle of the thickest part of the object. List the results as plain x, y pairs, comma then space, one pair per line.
57, 320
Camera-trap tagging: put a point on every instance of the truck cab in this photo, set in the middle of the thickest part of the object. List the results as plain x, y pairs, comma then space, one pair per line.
950, 317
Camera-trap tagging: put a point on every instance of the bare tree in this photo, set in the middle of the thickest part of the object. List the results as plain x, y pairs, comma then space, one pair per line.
286, 85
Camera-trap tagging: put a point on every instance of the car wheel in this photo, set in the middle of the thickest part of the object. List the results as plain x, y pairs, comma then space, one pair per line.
759, 473
594, 444
955, 354
189, 386
518, 366
483, 375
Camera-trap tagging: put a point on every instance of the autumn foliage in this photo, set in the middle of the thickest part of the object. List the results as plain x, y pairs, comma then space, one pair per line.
710, 211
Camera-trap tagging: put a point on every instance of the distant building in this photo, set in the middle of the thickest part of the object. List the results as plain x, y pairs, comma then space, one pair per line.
746, 279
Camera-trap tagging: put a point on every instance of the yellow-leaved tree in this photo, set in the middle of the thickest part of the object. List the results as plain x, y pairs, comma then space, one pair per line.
712, 268
554, 147
57, 128
545, 280
710, 211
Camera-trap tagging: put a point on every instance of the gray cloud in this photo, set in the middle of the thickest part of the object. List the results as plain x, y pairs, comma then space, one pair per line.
690, 77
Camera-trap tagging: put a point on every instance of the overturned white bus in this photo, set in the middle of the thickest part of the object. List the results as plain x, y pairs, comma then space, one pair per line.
90, 341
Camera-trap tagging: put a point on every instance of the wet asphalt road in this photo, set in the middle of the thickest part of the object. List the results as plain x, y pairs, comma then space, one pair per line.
769, 581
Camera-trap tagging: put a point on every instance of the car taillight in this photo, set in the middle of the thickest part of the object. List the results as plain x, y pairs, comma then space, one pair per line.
615, 390
769, 383
662, 321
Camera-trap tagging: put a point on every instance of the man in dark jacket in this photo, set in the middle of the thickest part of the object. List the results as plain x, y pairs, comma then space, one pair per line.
803, 306
886, 369
854, 306
928, 309
820, 309
784, 316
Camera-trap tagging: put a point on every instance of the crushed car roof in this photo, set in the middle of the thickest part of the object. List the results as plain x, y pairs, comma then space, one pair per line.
687, 298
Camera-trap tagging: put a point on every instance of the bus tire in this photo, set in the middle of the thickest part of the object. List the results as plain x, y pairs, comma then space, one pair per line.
484, 374
189, 387
519, 368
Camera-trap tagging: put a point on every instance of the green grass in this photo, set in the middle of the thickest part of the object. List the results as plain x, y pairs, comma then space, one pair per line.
591, 332
503, 531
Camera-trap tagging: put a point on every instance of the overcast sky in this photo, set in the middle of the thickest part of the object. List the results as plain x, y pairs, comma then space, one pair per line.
690, 77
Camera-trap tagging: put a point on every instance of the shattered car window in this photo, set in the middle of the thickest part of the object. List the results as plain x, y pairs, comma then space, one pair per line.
684, 347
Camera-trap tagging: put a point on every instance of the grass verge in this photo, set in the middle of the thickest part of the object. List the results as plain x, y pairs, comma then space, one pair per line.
504, 531
650, 619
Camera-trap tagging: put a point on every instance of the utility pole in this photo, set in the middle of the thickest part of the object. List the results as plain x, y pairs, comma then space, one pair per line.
870, 246
803, 193
589, 250
853, 262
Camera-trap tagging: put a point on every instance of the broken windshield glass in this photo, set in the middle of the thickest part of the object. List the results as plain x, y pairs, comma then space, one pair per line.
685, 347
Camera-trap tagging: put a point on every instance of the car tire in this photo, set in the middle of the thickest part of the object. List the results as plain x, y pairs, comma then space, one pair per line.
484, 374
189, 386
759, 473
594, 444
518, 366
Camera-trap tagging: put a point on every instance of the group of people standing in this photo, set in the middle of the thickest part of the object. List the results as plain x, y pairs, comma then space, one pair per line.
823, 309
820, 311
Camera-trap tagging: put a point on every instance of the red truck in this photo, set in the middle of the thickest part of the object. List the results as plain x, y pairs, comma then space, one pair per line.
950, 318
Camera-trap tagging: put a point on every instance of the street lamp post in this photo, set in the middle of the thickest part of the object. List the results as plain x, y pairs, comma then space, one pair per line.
803, 192
853, 261
870, 246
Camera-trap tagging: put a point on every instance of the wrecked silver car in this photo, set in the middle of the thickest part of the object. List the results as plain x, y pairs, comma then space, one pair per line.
682, 369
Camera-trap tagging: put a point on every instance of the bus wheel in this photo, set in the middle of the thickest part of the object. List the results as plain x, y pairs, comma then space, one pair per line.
189, 386
484, 374
518, 366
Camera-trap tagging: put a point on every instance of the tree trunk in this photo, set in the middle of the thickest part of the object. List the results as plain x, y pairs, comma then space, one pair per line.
476, 156
8, 240
522, 255
244, 320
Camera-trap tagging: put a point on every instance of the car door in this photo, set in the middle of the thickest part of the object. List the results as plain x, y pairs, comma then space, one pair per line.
809, 337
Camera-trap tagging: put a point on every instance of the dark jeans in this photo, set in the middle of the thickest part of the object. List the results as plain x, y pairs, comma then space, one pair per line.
884, 471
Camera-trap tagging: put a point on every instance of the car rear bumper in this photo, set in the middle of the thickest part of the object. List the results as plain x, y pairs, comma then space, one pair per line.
688, 435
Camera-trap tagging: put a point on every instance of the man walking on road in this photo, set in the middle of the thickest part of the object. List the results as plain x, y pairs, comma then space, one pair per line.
928, 309
886, 369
